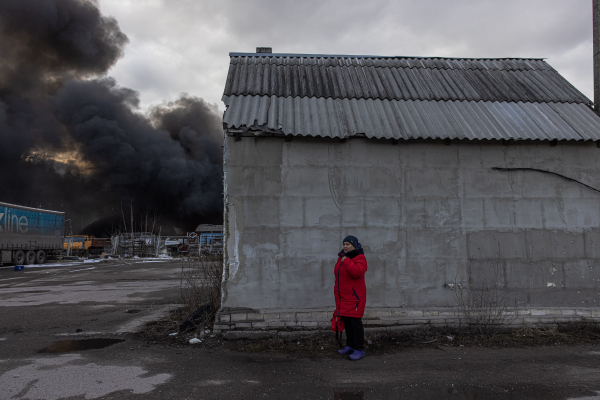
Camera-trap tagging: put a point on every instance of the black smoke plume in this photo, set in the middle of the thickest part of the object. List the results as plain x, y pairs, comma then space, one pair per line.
72, 139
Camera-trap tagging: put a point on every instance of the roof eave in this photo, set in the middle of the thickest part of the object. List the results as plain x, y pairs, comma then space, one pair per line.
235, 54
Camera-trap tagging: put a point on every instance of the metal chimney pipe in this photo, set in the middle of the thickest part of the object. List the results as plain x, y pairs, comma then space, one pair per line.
596, 11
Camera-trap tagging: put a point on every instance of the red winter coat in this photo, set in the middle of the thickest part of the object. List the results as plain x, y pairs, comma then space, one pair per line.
350, 290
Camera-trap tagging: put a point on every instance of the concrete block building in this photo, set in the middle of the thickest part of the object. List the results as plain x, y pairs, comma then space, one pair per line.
447, 170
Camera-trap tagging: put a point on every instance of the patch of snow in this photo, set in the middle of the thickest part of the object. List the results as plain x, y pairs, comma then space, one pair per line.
52, 379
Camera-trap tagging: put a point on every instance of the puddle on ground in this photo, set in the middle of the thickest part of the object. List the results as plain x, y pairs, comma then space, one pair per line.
64, 346
359, 395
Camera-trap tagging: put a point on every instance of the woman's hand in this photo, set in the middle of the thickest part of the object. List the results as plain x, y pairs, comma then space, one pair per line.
343, 258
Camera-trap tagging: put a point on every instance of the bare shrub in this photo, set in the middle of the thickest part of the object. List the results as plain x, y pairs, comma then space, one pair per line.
201, 285
485, 302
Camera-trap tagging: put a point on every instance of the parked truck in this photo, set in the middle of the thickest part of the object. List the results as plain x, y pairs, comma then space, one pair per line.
84, 245
28, 235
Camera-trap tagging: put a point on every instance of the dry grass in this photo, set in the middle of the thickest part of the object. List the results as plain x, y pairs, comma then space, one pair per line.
572, 333
200, 284
485, 302
323, 344
159, 330
428, 337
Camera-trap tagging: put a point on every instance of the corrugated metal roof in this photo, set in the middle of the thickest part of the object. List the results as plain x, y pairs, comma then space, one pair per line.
404, 97
399, 78
392, 61
410, 119
209, 228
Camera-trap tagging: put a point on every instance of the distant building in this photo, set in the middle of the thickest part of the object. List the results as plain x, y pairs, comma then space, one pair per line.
449, 171
209, 233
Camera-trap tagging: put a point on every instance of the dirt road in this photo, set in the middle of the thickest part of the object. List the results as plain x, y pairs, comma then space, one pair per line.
47, 304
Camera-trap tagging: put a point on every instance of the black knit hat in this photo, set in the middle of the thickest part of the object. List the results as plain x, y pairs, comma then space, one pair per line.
353, 241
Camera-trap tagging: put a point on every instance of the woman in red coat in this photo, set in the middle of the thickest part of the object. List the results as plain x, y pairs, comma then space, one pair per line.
351, 295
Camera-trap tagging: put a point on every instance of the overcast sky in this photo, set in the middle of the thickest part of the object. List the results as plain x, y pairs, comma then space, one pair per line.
183, 45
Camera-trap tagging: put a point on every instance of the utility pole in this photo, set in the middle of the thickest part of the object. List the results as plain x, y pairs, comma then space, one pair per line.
596, 11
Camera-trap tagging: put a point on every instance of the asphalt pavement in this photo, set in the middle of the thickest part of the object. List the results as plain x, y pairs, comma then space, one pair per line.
45, 307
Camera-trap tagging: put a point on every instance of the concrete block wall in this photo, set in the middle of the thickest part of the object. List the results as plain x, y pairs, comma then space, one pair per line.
390, 319
426, 213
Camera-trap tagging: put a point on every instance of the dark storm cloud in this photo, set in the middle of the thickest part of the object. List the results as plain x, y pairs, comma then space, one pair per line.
74, 140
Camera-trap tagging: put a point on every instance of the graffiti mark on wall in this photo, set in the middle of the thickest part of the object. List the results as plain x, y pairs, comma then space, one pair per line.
335, 186
336, 175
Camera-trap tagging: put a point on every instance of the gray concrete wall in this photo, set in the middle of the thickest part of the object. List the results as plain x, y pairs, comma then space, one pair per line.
426, 214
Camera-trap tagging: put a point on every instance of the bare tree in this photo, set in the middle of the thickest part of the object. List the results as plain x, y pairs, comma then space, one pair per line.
201, 287
485, 301
132, 230
147, 220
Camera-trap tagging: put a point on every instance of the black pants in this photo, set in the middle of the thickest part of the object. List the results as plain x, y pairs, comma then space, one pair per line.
355, 333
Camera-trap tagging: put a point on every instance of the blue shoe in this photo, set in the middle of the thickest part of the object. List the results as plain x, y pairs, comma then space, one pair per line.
346, 350
357, 355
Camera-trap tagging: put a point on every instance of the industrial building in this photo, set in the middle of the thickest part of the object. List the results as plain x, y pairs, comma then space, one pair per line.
210, 238
448, 171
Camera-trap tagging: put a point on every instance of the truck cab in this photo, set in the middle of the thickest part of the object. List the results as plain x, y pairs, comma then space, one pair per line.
79, 244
